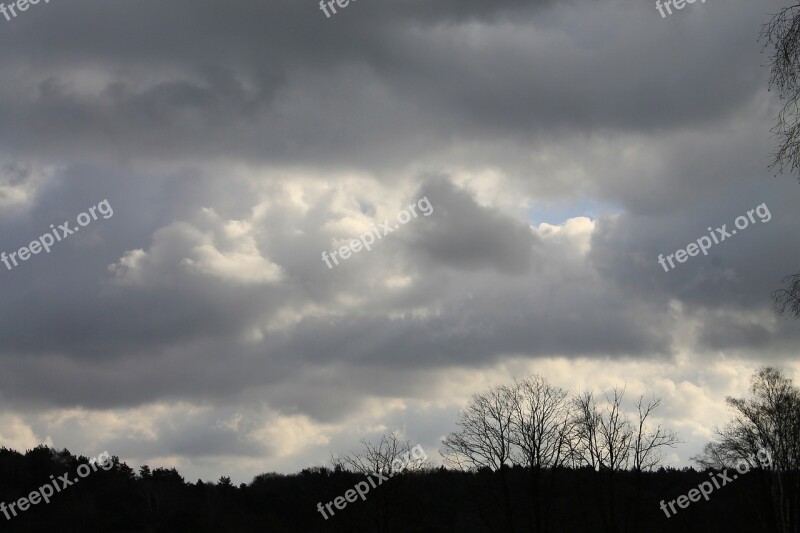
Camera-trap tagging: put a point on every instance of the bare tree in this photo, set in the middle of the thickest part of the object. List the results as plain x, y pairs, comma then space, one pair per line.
603, 435
484, 440
606, 440
585, 448
386, 456
484, 437
647, 449
541, 427
603, 441
787, 299
389, 456
616, 432
538, 425
768, 421
541, 418
648, 444
781, 36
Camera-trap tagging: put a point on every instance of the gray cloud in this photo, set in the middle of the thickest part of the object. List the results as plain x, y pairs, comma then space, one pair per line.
236, 143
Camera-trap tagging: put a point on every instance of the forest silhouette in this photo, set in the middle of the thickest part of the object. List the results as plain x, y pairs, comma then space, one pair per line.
526, 456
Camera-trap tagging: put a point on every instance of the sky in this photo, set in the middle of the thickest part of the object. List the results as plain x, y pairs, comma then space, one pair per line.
561, 144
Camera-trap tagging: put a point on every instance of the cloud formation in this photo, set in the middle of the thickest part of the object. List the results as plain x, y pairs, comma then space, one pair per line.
563, 146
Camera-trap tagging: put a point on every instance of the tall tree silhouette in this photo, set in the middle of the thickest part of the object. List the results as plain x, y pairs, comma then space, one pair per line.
541, 424
768, 420
781, 37
484, 441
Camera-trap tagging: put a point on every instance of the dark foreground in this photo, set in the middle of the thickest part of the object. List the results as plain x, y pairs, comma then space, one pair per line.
118, 499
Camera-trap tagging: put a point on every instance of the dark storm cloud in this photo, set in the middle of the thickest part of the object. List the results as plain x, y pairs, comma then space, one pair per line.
735, 279
276, 80
464, 235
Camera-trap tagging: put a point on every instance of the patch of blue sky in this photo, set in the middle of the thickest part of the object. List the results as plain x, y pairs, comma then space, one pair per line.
556, 213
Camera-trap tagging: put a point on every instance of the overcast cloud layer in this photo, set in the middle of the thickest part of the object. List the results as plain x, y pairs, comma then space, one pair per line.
563, 145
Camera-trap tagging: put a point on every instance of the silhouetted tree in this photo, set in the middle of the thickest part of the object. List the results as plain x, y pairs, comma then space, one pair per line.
390, 456
603, 442
787, 298
781, 36
484, 440
769, 420
647, 449
606, 440
541, 427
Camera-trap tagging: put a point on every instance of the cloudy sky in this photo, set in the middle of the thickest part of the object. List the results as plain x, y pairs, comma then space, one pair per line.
563, 145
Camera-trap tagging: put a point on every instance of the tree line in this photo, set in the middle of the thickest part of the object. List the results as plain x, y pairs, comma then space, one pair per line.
524, 457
